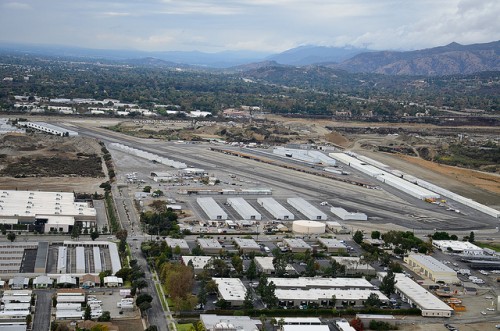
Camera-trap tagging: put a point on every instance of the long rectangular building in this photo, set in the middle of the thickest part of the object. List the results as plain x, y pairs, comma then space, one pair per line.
431, 268
276, 209
244, 209
312, 213
53, 211
323, 297
80, 260
211, 208
322, 283
419, 297
97, 259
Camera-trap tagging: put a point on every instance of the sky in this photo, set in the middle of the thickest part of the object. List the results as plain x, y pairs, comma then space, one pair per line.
249, 25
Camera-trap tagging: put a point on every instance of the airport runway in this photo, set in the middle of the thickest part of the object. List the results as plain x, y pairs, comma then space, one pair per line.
385, 206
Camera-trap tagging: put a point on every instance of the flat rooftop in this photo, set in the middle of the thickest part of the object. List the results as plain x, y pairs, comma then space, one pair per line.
296, 243
209, 243
314, 282
246, 243
231, 289
431, 263
173, 242
331, 243
199, 262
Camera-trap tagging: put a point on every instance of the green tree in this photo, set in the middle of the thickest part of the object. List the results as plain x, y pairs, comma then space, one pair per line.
88, 313
94, 235
373, 300
237, 263
146, 189
252, 270
471, 237
105, 317
29, 319
280, 262
388, 284
248, 301
375, 234
358, 237
11, 236
75, 232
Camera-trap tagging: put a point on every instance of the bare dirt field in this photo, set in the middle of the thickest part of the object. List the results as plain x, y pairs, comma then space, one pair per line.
45, 162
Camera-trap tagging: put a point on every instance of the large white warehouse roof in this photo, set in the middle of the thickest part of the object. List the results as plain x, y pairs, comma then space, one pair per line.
243, 208
306, 209
211, 208
276, 209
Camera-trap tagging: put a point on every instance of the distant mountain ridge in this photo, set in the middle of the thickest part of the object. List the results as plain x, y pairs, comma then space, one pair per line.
444, 60
438, 61
306, 55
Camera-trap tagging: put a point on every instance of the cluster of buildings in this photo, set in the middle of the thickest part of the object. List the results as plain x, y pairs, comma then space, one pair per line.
46, 211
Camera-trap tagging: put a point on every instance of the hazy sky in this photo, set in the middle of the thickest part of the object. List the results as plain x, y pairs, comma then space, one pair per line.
259, 25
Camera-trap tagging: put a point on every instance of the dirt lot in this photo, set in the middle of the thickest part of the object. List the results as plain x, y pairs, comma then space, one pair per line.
48, 162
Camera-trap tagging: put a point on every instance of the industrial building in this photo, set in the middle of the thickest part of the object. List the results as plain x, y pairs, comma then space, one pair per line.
308, 210
209, 245
309, 156
458, 247
308, 227
148, 156
419, 297
15, 305
385, 176
348, 216
354, 266
309, 328
232, 290
276, 209
198, 262
211, 209
181, 243
244, 209
247, 245
265, 265
50, 128
229, 323
431, 268
321, 283
323, 297
12, 254
336, 227
46, 211
332, 245
297, 245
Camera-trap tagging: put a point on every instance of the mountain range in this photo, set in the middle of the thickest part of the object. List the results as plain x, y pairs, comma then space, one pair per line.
444, 60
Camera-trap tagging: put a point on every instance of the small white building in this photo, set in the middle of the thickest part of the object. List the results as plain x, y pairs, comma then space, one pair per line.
232, 290
297, 245
332, 245
199, 262
265, 264
181, 243
247, 245
348, 216
308, 210
209, 245
456, 246
113, 281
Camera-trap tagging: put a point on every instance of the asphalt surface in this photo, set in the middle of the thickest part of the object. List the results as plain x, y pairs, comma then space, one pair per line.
129, 221
41, 319
382, 206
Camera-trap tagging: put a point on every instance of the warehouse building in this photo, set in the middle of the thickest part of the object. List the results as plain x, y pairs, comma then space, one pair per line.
12, 254
276, 209
198, 262
297, 245
332, 245
348, 216
265, 265
323, 297
308, 210
232, 290
247, 245
419, 297
50, 128
211, 209
354, 266
306, 155
229, 323
209, 245
47, 211
458, 247
384, 176
308, 227
244, 209
322, 283
181, 243
431, 268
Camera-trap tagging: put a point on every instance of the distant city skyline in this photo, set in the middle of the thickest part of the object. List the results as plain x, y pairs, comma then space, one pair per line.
270, 26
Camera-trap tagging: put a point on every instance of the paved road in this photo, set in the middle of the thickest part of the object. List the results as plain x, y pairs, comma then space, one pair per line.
41, 320
129, 221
